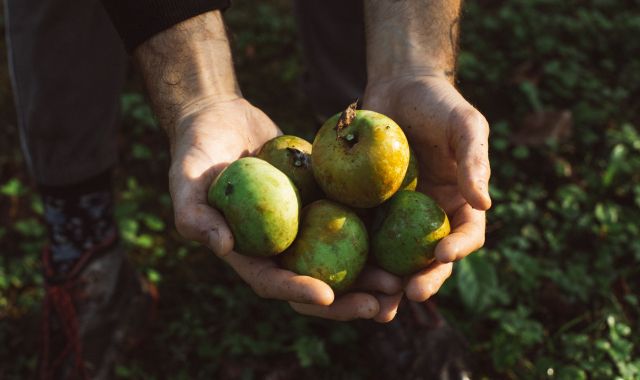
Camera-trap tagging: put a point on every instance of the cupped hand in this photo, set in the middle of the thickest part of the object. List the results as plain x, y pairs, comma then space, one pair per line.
450, 139
203, 143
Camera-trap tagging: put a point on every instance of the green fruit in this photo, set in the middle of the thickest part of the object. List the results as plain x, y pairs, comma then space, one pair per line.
406, 231
410, 181
261, 206
292, 155
360, 157
332, 245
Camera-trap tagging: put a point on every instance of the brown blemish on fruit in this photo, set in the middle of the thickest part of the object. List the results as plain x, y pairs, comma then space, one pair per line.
228, 189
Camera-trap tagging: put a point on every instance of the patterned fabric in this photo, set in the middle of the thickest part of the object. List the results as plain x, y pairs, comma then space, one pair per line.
78, 220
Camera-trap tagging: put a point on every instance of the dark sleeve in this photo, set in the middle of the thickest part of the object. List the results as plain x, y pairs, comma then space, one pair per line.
138, 20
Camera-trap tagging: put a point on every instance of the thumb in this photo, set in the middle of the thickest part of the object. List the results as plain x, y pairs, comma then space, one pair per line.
205, 225
469, 138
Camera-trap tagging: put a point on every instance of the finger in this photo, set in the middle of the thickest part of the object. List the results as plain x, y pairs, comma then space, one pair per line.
426, 283
378, 280
194, 218
388, 307
469, 140
467, 235
345, 308
270, 281
205, 225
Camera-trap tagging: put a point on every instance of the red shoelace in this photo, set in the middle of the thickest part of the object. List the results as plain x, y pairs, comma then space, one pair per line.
59, 299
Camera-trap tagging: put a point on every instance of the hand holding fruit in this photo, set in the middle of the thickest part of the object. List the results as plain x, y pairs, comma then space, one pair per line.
450, 139
203, 143
206, 142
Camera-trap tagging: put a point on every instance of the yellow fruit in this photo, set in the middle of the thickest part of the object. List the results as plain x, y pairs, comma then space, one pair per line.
360, 157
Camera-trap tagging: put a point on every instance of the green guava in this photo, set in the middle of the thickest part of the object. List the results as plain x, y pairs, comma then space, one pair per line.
406, 230
332, 245
410, 181
260, 204
292, 155
360, 157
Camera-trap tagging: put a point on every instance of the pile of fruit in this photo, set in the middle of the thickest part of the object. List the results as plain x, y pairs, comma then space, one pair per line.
356, 185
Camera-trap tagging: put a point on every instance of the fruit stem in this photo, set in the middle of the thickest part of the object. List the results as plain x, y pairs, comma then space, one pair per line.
299, 157
347, 117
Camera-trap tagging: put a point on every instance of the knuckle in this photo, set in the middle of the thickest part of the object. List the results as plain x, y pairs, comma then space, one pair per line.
483, 123
471, 118
260, 291
182, 222
481, 240
481, 162
174, 173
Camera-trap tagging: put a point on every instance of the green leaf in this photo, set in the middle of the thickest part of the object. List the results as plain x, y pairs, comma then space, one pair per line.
4, 280
141, 152
36, 205
153, 276
30, 227
129, 230
153, 222
144, 241
477, 281
571, 373
310, 351
13, 188
521, 152
607, 213
616, 163
530, 91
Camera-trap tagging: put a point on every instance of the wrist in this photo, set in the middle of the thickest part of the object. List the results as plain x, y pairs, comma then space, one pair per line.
407, 72
411, 38
208, 116
188, 67
398, 84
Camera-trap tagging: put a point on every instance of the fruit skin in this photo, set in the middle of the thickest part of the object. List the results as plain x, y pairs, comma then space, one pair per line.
261, 206
332, 245
292, 156
363, 163
410, 181
406, 231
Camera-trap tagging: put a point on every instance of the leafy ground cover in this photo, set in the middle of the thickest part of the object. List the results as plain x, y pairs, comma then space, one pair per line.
555, 293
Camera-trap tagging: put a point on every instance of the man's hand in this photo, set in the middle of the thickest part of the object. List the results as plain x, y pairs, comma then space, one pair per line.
449, 137
411, 47
192, 85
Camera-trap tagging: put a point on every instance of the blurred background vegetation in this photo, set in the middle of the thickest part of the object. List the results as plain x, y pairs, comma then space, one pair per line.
553, 295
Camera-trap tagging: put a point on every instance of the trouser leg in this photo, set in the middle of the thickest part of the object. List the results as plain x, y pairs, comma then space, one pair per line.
333, 42
67, 69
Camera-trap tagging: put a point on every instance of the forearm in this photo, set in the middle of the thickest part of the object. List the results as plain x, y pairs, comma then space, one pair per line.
186, 67
411, 37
